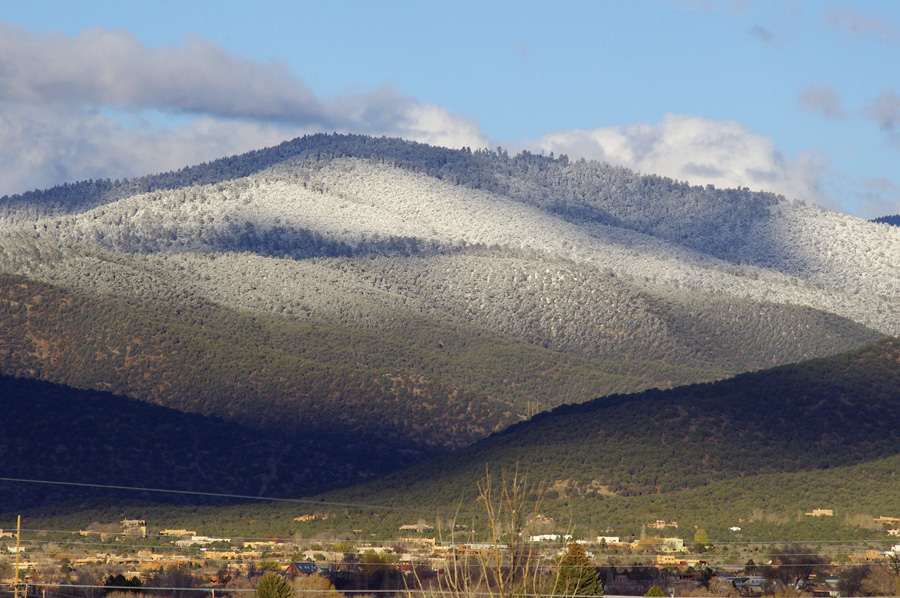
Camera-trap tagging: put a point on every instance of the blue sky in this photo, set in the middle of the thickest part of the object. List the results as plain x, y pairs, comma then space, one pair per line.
800, 98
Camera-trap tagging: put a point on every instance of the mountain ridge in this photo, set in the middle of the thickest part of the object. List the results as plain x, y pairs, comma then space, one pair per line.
616, 453
767, 238
420, 295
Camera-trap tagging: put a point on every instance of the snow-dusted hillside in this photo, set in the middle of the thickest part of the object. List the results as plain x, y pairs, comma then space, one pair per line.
580, 256
381, 302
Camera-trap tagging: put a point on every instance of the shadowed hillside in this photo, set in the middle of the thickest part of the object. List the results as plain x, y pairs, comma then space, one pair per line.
61, 434
616, 452
756, 452
405, 300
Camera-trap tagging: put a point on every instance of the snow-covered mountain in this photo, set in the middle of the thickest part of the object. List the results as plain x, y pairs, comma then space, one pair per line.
422, 297
554, 237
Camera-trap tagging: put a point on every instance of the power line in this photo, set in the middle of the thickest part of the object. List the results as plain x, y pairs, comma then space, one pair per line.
153, 539
437, 512
304, 501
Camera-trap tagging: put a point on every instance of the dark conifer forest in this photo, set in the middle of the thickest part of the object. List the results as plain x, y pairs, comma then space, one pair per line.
333, 310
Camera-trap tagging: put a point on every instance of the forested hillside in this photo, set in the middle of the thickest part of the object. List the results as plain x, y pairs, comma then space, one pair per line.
820, 433
756, 451
412, 299
893, 220
57, 433
399, 394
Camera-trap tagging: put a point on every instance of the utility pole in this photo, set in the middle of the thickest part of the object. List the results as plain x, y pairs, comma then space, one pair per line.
18, 537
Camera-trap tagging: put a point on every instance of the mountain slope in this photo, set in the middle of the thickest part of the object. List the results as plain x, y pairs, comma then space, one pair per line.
57, 433
766, 508
310, 207
688, 449
756, 451
323, 195
416, 299
403, 394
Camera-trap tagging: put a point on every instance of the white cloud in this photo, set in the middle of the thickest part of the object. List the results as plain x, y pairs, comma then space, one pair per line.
878, 197
62, 99
102, 67
760, 33
822, 99
852, 22
698, 150
885, 110
731, 8
436, 125
871, 196
41, 146
57, 93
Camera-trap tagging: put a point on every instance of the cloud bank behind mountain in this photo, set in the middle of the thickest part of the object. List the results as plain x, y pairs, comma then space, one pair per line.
102, 104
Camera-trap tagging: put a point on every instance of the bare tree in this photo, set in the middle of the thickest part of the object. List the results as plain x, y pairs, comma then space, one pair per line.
506, 563
793, 564
852, 580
